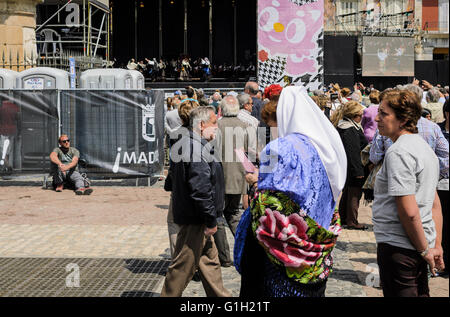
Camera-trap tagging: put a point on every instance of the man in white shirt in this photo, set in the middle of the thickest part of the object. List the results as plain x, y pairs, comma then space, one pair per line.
172, 120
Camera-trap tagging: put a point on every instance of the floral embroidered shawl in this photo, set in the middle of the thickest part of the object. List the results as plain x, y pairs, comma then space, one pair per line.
291, 238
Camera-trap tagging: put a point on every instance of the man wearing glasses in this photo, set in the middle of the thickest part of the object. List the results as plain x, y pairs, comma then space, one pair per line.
65, 167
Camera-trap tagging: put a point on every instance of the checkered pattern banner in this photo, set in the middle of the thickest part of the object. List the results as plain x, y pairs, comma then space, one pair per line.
290, 43
271, 71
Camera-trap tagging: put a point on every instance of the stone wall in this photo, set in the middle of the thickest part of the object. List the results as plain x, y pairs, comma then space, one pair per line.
17, 30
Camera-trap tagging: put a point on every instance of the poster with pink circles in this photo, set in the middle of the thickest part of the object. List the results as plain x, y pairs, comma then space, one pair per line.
290, 43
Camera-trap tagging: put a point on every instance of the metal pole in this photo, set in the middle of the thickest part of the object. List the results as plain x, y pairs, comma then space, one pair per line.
89, 31
135, 30
108, 30
160, 29
99, 33
58, 105
210, 31
234, 35
185, 27
84, 27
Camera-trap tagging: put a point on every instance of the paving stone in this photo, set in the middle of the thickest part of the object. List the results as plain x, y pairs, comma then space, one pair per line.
131, 260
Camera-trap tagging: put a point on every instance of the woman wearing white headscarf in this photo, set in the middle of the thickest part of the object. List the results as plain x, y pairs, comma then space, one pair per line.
285, 238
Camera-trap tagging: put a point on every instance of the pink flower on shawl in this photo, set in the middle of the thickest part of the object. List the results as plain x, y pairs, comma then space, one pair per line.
286, 239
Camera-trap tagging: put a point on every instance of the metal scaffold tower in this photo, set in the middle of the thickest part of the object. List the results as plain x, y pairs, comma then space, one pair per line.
79, 28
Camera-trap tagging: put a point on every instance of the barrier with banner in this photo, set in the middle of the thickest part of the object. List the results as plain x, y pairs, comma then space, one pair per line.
119, 134
290, 43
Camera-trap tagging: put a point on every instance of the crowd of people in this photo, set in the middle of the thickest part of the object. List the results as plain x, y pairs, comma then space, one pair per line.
185, 68
286, 169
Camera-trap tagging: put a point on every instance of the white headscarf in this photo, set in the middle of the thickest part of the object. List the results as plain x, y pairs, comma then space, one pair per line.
298, 113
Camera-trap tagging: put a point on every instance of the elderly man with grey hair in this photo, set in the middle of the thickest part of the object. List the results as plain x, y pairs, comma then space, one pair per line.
215, 100
245, 112
417, 90
435, 106
198, 195
233, 135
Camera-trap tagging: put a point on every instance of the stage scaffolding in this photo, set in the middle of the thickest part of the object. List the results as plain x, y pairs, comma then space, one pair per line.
74, 27
367, 23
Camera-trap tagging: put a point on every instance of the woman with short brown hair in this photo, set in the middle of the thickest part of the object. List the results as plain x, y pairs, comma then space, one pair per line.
269, 113
185, 108
407, 214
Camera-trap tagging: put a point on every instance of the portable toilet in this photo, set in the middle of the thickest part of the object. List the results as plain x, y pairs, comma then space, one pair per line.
7, 78
43, 78
138, 79
106, 88
106, 78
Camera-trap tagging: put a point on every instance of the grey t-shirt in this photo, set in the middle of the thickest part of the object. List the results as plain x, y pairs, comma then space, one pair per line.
410, 167
66, 158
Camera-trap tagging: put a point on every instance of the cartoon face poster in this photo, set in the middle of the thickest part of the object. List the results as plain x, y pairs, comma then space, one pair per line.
290, 43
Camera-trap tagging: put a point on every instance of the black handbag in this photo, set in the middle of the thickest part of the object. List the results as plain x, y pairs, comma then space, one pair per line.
168, 182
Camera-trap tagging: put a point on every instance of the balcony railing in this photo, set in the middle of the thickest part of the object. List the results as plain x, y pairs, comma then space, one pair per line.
367, 21
15, 61
435, 27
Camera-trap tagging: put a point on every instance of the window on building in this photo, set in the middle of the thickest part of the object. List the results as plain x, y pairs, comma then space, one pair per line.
347, 7
393, 6
443, 16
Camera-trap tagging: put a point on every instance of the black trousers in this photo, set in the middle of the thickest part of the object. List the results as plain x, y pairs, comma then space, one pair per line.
231, 212
403, 272
349, 205
443, 197
220, 237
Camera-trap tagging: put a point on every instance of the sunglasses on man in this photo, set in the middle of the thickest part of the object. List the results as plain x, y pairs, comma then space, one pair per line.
65, 141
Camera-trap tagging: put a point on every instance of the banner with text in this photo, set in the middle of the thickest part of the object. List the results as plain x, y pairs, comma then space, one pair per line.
119, 134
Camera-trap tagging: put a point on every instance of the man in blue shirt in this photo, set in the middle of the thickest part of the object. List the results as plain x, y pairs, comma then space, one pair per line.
430, 131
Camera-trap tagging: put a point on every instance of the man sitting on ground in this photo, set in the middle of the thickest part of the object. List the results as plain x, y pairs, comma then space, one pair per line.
64, 167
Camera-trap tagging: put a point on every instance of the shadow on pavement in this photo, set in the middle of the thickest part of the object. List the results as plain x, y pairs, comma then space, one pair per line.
355, 247
352, 276
139, 266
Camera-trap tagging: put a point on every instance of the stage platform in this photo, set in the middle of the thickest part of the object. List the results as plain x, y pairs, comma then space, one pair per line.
205, 85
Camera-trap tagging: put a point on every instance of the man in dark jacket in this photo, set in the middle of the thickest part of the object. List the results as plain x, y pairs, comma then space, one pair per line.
198, 195
252, 89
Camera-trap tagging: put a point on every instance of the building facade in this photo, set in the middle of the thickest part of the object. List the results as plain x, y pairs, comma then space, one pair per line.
425, 20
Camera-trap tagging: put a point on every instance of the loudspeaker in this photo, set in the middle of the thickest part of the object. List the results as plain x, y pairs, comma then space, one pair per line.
340, 55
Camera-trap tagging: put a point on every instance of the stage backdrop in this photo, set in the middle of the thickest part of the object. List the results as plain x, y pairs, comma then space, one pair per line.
290, 43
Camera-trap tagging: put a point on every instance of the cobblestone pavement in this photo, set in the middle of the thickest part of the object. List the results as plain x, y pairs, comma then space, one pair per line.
116, 239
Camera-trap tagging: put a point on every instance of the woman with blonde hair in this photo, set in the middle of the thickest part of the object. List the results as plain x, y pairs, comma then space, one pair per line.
345, 95
185, 108
347, 120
